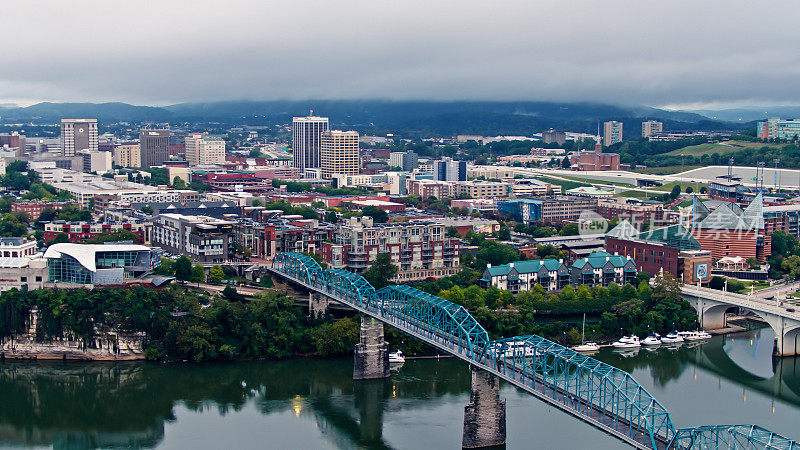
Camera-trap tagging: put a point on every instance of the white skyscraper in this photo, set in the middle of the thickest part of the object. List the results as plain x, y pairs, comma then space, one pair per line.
77, 135
307, 140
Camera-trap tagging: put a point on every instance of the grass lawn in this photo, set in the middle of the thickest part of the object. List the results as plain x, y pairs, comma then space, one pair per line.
633, 194
565, 185
722, 149
666, 170
668, 187
596, 181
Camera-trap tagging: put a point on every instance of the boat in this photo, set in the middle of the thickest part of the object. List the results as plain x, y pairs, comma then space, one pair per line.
672, 338
585, 346
703, 335
652, 339
396, 357
627, 342
689, 336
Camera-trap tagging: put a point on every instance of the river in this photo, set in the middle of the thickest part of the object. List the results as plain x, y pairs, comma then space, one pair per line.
314, 404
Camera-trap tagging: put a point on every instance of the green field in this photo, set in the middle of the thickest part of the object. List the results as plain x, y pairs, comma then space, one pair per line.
668, 187
722, 149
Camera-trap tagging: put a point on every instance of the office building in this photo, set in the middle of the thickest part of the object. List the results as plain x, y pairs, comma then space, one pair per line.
202, 150
97, 162
99, 263
339, 153
651, 127
406, 161
778, 129
128, 155
551, 135
153, 147
201, 238
77, 135
307, 141
558, 208
449, 170
13, 141
612, 132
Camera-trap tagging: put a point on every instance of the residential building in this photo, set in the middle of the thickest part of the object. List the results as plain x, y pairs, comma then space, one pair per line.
551, 135
481, 189
99, 263
17, 247
612, 132
531, 186
77, 135
339, 153
34, 208
101, 189
83, 231
307, 141
558, 208
420, 249
204, 239
429, 188
153, 147
779, 217
603, 269
522, 276
778, 129
637, 211
202, 150
491, 173
13, 141
651, 127
66, 176
449, 170
128, 155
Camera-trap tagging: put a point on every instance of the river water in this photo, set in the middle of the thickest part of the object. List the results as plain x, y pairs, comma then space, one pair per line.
314, 404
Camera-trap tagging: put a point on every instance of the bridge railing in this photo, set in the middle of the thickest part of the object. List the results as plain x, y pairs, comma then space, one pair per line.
731, 437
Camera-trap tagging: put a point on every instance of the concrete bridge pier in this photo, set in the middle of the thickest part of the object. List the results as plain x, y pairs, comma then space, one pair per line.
371, 357
317, 304
485, 414
787, 336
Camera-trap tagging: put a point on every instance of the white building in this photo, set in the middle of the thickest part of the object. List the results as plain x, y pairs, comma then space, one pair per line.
98, 162
128, 155
307, 141
204, 150
77, 135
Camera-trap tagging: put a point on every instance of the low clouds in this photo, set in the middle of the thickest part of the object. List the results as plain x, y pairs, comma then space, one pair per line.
147, 52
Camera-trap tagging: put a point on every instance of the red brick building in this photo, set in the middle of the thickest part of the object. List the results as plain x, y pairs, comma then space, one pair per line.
35, 208
82, 231
731, 231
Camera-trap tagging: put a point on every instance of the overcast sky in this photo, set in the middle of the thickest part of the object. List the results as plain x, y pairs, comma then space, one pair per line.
659, 53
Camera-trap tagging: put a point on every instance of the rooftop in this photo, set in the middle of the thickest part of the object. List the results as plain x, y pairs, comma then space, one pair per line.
86, 254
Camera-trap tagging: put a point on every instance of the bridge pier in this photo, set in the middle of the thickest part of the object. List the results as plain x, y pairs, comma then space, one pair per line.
317, 304
485, 414
371, 357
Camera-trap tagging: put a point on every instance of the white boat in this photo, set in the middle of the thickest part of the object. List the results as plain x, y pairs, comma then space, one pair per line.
672, 338
652, 339
703, 335
397, 357
689, 336
627, 342
587, 347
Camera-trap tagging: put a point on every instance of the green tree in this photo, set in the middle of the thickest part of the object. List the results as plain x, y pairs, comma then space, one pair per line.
147, 209
198, 274
257, 202
178, 183
381, 271
504, 234
331, 217
60, 238
166, 268
231, 294
565, 164
676, 191
378, 215
183, 269
216, 275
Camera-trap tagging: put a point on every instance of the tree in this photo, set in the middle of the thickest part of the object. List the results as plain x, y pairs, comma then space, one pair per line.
117, 236
61, 238
377, 214
689, 189
565, 163
452, 232
381, 271
178, 183
183, 269
166, 268
198, 274
231, 294
703, 189
676, 191
504, 234
216, 274
48, 215
257, 202
147, 209
331, 217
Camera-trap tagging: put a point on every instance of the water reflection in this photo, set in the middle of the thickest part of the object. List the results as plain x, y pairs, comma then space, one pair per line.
76, 405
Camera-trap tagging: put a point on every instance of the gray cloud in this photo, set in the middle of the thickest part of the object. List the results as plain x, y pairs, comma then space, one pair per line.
627, 51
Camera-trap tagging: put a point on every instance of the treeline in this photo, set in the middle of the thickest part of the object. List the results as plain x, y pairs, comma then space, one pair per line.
179, 324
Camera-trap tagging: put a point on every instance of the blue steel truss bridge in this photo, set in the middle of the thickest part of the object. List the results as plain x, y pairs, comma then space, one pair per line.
600, 395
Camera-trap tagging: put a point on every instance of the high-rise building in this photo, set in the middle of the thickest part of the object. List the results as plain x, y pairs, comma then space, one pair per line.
449, 170
153, 147
98, 162
13, 141
407, 161
612, 132
339, 153
202, 149
778, 129
651, 127
551, 135
77, 135
306, 141
127, 155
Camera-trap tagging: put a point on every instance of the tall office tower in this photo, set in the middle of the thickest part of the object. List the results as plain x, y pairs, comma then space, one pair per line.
77, 135
204, 150
339, 153
128, 155
13, 141
449, 170
651, 127
406, 161
612, 132
153, 147
306, 138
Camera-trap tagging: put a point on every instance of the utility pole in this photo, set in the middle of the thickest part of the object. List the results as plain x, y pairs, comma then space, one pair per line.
777, 186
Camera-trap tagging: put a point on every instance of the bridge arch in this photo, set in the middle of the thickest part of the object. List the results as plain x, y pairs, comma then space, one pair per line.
450, 321
302, 267
351, 287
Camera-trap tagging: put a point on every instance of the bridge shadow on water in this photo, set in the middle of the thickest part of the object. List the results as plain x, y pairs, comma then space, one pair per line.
83, 406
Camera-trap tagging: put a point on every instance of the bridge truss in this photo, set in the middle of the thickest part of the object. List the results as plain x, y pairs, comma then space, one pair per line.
597, 393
